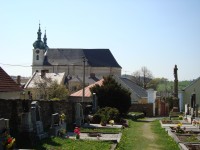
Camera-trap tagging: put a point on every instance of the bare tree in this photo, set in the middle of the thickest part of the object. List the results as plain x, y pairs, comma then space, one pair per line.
42, 85
142, 77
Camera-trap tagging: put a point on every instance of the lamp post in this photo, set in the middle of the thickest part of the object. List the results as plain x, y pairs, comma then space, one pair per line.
83, 79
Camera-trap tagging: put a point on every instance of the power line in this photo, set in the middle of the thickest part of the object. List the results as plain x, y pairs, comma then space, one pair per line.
14, 65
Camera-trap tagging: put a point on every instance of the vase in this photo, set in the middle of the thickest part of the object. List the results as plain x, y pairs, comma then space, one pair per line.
77, 136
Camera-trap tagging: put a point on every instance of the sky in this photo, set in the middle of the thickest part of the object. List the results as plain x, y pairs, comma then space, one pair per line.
156, 34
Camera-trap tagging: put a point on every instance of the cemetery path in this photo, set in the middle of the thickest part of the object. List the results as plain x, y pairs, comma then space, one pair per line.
148, 134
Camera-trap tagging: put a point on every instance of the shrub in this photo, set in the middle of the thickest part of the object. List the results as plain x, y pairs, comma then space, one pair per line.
106, 114
96, 118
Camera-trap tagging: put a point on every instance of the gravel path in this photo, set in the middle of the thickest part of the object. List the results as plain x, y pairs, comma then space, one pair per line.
149, 135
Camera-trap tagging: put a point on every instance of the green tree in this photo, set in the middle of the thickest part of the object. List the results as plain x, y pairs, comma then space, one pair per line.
112, 94
48, 89
58, 92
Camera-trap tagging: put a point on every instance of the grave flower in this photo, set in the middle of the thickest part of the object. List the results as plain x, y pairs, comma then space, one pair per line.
77, 132
7, 141
62, 117
111, 122
178, 128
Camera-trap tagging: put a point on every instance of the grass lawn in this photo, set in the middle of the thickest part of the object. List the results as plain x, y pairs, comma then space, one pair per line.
71, 144
134, 137
163, 138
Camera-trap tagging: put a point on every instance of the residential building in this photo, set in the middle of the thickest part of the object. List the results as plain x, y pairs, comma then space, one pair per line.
40, 82
190, 95
9, 89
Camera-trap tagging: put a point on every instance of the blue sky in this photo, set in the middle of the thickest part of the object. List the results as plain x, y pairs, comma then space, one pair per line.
154, 33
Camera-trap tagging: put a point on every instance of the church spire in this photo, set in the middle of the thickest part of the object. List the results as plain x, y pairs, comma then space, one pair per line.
38, 43
39, 33
45, 38
45, 41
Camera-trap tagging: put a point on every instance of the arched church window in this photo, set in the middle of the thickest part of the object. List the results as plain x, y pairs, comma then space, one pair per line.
37, 57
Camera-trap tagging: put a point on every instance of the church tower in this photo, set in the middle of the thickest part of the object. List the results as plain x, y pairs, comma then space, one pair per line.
39, 50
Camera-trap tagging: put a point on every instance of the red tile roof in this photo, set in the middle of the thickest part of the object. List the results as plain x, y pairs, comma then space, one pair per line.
87, 90
7, 84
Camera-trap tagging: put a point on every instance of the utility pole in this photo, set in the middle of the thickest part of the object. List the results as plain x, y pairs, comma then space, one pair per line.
83, 79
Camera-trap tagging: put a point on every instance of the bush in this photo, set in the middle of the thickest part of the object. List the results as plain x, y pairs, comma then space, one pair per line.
96, 118
106, 114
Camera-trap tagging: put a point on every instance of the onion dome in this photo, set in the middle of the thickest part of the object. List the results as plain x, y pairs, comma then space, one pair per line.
38, 43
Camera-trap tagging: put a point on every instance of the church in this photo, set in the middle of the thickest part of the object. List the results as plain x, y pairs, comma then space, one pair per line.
75, 62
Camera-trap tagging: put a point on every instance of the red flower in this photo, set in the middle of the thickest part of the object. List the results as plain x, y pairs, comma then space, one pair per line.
77, 130
9, 140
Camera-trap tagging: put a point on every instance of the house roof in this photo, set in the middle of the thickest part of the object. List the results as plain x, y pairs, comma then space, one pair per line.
67, 56
87, 90
141, 92
192, 83
59, 77
7, 84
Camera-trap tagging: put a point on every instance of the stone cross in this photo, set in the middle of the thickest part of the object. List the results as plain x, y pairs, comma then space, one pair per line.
175, 82
175, 98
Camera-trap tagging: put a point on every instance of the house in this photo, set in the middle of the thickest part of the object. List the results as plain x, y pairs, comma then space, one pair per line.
78, 96
75, 62
138, 94
40, 82
9, 89
190, 94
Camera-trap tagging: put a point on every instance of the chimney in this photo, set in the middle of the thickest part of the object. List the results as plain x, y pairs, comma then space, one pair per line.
18, 80
43, 72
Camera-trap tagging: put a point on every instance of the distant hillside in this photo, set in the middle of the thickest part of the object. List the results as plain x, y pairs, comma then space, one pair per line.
169, 85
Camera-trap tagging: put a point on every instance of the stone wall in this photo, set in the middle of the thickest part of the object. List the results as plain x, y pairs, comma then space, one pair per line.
13, 109
147, 109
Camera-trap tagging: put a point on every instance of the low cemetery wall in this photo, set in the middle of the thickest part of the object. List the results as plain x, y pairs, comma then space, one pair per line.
147, 109
13, 109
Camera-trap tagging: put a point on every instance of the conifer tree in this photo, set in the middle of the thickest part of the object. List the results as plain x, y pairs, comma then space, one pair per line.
112, 94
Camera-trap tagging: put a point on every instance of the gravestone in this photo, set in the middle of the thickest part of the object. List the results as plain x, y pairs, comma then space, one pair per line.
4, 123
55, 120
26, 123
186, 109
94, 103
79, 114
56, 124
36, 121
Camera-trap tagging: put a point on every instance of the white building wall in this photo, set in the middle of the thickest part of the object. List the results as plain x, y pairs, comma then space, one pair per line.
10, 95
180, 96
151, 95
78, 70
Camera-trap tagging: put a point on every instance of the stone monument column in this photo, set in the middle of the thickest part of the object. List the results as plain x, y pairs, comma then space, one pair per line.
175, 94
